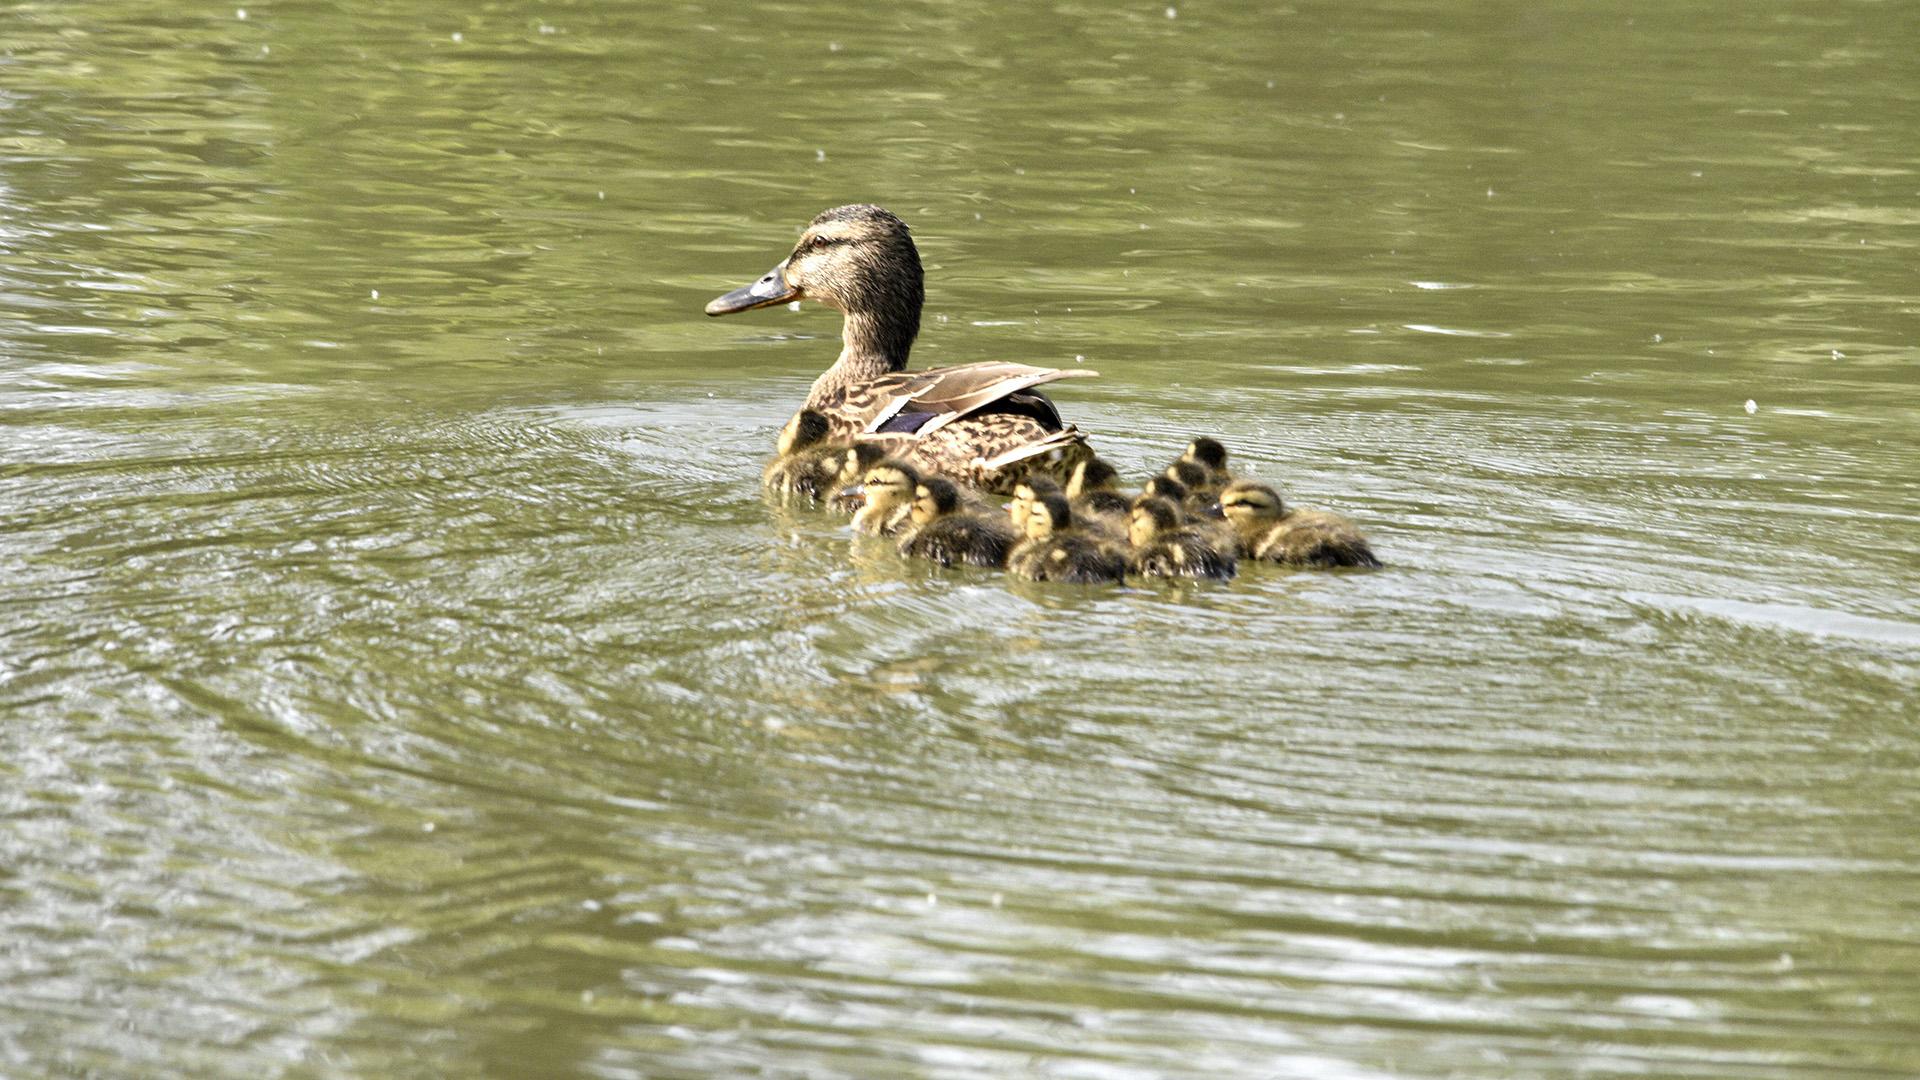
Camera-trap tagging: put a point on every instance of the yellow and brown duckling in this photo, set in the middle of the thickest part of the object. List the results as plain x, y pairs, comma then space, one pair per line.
806, 464
1272, 532
1055, 550
1164, 546
886, 494
985, 424
1092, 488
855, 460
1210, 454
1029, 489
945, 531
1201, 490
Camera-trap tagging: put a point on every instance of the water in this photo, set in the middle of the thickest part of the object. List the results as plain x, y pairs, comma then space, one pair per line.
402, 675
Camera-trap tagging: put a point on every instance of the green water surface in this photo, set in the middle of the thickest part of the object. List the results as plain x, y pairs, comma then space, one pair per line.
402, 675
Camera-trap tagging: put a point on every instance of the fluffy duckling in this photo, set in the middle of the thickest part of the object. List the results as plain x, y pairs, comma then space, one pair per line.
1162, 546
946, 533
1271, 532
805, 463
886, 493
1165, 487
854, 462
1031, 488
1210, 454
1055, 550
1092, 489
1201, 490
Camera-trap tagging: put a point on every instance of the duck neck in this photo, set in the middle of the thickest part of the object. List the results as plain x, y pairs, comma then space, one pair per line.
873, 343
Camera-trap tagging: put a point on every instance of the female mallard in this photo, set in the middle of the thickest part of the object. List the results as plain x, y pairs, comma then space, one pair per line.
1270, 531
982, 424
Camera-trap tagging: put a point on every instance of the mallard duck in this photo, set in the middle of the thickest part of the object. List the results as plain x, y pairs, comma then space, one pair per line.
886, 493
982, 424
1162, 546
1271, 532
947, 534
1055, 550
805, 463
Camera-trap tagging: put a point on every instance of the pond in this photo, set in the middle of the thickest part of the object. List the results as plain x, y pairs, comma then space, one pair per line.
402, 674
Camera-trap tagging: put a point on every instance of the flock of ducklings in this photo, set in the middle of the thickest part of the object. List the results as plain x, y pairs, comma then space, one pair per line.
1195, 520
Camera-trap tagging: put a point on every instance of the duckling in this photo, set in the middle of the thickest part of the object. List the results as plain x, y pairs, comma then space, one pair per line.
1030, 488
1055, 550
1271, 532
1210, 528
1201, 491
805, 463
1163, 547
1210, 454
1164, 487
945, 533
1096, 504
854, 462
886, 498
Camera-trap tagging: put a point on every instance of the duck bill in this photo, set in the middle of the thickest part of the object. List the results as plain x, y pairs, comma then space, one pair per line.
1214, 512
772, 288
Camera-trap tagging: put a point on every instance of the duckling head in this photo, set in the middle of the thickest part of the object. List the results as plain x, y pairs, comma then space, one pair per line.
1092, 474
1151, 515
1208, 453
1051, 514
809, 427
1166, 487
1031, 487
889, 486
861, 456
1191, 475
936, 496
858, 259
1250, 506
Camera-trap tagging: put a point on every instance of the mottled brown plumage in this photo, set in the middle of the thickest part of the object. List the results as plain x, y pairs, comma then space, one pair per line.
981, 424
1271, 532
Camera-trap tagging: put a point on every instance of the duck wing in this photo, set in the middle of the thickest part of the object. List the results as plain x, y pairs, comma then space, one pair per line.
918, 403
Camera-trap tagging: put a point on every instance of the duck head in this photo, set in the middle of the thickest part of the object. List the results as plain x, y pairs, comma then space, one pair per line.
1151, 515
1250, 507
1025, 493
1051, 515
808, 428
858, 259
936, 497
